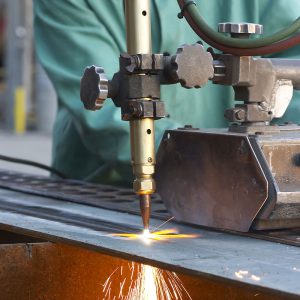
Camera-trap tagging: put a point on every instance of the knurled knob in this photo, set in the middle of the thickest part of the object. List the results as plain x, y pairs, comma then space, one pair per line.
192, 66
240, 29
93, 88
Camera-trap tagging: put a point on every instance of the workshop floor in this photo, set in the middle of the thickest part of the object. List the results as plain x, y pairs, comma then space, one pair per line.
31, 146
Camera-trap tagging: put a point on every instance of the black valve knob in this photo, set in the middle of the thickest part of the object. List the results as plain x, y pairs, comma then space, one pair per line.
93, 88
192, 66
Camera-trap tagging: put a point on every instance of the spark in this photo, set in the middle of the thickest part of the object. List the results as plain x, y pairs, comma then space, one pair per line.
255, 278
161, 225
147, 283
241, 274
146, 236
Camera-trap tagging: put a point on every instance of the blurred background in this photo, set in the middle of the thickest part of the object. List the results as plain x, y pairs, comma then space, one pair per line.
27, 97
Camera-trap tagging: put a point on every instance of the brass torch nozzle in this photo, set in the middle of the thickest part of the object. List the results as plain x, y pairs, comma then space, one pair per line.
145, 206
143, 163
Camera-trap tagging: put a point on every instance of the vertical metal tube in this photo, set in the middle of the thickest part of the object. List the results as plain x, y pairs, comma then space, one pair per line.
138, 26
138, 36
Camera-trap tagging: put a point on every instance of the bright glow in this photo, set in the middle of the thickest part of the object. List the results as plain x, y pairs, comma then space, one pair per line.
146, 236
145, 282
135, 281
162, 235
146, 233
241, 274
255, 278
244, 272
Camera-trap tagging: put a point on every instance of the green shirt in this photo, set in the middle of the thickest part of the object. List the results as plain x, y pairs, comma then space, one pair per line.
73, 34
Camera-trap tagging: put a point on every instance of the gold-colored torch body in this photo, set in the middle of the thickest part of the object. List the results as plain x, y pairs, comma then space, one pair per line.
138, 36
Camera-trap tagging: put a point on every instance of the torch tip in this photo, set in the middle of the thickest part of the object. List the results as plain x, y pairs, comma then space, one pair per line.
145, 210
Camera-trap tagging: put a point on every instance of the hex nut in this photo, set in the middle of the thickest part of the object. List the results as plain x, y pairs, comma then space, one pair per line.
144, 169
240, 115
143, 86
143, 185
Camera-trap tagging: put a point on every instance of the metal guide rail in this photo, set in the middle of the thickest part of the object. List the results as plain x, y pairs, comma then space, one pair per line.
103, 196
107, 197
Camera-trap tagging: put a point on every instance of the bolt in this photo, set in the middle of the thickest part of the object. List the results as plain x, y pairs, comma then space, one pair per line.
136, 109
240, 115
